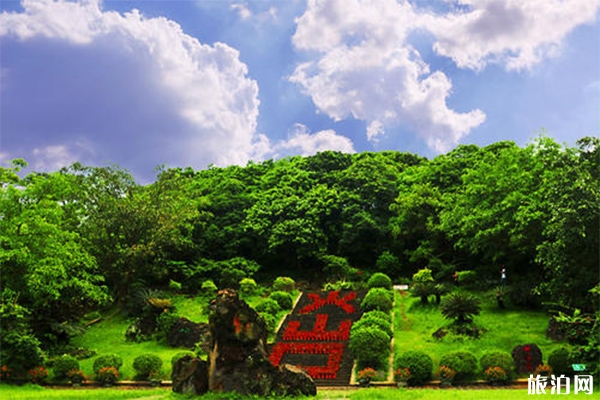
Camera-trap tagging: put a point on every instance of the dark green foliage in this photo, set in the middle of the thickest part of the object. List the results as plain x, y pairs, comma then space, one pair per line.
461, 307
370, 346
419, 363
388, 263
500, 359
284, 299
466, 277
146, 365
369, 320
180, 355
559, 361
268, 306
335, 267
378, 314
247, 286
270, 320
107, 360
379, 280
378, 299
209, 288
62, 365
463, 362
283, 284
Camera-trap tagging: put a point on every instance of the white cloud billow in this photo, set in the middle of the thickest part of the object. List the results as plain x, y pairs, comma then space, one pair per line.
363, 67
301, 141
515, 33
209, 84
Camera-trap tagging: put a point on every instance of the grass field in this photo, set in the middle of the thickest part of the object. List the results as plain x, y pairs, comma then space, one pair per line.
31, 392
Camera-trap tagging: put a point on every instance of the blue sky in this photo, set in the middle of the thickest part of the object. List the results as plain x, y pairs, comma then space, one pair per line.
194, 83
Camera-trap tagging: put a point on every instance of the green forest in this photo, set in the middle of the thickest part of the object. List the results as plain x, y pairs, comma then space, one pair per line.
86, 238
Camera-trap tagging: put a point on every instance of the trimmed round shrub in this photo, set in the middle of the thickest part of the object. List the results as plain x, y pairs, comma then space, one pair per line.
378, 314
370, 346
374, 321
147, 364
559, 361
496, 358
419, 363
379, 280
268, 306
271, 321
248, 286
107, 360
378, 299
180, 355
284, 299
209, 287
62, 365
284, 284
463, 362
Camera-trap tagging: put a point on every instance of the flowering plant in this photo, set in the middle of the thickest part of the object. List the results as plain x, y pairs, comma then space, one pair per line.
402, 374
38, 374
107, 375
543, 370
365, 375
76, 376
446, 373
4, 372
495, 375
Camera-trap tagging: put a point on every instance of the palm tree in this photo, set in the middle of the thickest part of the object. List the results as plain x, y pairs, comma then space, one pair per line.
461, 307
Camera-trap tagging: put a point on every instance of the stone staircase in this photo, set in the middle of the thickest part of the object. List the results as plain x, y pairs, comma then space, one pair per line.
315, 335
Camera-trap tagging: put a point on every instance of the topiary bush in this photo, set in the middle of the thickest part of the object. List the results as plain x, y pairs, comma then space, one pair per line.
284, 299
379, 314
107, 360
496, 358
379, 280
370, 346
374, 321
419, 363
248, 287
284, 284
268, 306
147, 365
271, 321
378, 299
559, 361
463, 362
62, 365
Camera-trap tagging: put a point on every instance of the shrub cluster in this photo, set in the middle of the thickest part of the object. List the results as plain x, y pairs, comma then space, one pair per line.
107, 360
268, 306
558, 360
63, 365
284, 299
379, 280
463, 362
419, 363
496, 358
378, 299
284, 284
146, 365
248, 286
375, 321
370, 346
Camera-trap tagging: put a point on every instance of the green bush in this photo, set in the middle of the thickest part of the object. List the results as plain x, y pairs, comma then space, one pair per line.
268, 306
180, 355
379, 314
146, 365
378, 299
461, 307
283, 284
559, 361
374, 321
271, 321
496, 358
209, 288
419, 363
284, 299
379, 280
62, 365
370, 346
107, 360
463, 362
248, 286
466, 277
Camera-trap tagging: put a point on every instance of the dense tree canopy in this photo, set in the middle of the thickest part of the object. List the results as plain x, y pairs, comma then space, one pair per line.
79, 238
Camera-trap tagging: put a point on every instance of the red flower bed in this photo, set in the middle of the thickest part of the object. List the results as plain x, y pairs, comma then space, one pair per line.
328, 371
331, 299
292, 332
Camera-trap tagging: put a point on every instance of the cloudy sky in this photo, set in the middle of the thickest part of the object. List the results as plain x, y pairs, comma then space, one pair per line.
193, 83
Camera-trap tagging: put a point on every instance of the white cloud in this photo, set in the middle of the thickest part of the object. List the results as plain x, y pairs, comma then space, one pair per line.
54, 157
361, 65
301, 141
515, 33
209, 84
242, 10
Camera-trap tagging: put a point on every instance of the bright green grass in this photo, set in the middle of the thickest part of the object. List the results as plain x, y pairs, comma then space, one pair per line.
505, 329
31, 392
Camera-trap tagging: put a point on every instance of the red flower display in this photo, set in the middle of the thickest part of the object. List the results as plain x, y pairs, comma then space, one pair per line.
331, 299
318, 333
328, 371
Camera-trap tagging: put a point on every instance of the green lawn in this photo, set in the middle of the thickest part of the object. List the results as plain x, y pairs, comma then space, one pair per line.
31, 392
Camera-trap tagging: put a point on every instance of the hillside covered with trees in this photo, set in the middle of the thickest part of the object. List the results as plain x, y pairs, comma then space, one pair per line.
83, 238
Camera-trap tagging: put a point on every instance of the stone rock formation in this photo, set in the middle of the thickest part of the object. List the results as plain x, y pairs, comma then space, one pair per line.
237, 360
527, 357
185, 333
